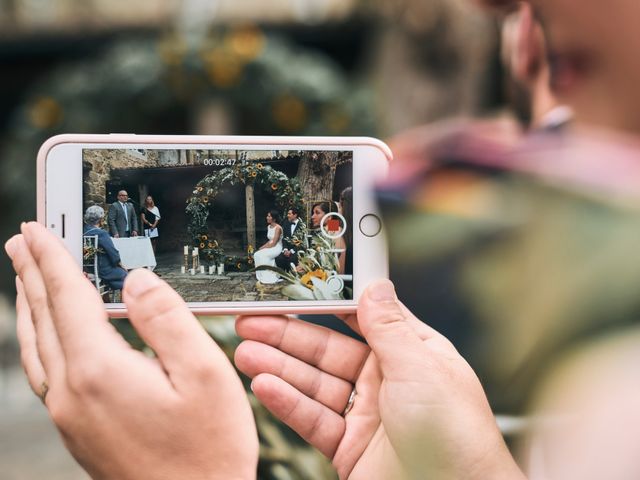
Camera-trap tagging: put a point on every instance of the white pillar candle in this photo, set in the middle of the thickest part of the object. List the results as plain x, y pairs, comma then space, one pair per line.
211, 268
183, 270
192, 271
201, 268
186, 250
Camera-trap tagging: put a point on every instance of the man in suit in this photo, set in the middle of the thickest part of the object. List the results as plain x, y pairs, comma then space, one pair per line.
294, 231
123, 221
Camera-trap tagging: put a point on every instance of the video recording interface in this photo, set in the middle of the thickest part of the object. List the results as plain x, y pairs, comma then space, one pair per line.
221, 225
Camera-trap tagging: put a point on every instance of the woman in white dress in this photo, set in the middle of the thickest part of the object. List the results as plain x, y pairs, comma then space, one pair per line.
267, 253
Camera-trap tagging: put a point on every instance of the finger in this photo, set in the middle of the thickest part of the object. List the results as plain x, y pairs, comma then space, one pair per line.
76, 307
330, 351
253, 358
27, 339
388, 331
35, 308
320, 426
165, 323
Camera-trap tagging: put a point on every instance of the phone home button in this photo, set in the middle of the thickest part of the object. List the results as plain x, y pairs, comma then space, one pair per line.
370, 225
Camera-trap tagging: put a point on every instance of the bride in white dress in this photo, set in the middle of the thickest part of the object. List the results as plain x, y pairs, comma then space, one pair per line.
267, 253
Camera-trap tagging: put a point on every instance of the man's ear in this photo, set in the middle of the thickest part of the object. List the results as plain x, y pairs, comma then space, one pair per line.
529, 56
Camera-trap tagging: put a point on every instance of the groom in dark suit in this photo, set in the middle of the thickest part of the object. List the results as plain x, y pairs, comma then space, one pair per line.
294, 232
123, 221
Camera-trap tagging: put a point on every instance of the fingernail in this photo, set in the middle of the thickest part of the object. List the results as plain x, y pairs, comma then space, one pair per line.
382, 291
11, 247
140, 281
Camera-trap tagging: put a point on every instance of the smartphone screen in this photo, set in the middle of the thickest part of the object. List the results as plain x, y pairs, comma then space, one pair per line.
221, 225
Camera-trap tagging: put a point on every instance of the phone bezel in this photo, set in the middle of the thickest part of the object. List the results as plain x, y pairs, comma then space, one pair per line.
60, 203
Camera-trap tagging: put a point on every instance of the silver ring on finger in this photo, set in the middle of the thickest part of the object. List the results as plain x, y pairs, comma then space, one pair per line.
350, 402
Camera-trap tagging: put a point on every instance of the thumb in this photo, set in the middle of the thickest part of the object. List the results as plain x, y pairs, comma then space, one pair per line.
387, 328
164, 322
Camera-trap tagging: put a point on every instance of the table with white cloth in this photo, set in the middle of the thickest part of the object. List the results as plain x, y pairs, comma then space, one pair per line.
135, 252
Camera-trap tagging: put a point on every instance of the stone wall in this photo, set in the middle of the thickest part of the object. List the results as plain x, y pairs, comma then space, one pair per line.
98, 166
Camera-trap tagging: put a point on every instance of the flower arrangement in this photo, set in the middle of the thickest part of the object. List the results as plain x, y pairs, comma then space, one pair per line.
310, 280
89, 251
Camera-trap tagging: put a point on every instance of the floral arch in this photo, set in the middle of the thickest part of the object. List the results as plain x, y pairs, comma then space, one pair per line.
286, 191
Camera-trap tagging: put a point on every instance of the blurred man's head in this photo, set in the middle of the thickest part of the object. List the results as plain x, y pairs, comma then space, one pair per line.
592, 46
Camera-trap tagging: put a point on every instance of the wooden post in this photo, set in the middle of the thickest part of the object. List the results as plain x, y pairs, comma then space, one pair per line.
251, 216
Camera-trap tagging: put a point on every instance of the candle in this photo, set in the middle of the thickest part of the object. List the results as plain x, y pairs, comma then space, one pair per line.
192, 271
183, 269
186, 250
211, 272
201, 268
195, 251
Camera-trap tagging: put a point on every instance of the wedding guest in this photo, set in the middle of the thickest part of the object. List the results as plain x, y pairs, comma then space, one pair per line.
346, 241
110, 269
294, 231
267, 253
122, 217
149, 218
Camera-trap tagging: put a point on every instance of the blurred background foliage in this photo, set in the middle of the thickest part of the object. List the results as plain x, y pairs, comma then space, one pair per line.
252, 67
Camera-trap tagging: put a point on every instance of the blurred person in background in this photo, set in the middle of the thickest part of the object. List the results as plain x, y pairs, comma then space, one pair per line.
525, 58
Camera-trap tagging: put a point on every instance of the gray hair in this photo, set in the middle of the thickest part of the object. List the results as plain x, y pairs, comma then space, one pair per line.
93, 214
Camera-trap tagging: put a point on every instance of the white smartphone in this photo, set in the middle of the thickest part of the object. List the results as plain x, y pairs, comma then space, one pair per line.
234, 224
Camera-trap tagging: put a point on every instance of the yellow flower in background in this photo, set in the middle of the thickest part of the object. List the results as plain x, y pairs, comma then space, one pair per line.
259, 166
253, 174
250, 261
318, 273
223, 68
274, 186
199, 188
210, 245
250, 249
290, 113
45, 112
204, 237
238, 265
246, 42
205, 199
202, 245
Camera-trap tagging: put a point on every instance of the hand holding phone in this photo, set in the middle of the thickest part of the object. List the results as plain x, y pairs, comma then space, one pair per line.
232, 210
122, 414
407, 407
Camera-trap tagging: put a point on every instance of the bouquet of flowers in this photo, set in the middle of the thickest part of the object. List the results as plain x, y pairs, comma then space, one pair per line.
315, 276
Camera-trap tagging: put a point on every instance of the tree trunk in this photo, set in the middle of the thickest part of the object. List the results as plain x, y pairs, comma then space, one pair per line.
251, 216
316, 173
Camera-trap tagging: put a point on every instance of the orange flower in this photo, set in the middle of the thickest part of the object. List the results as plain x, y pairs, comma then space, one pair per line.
250, 261
318, 273
274, 186
254, 174
204, 237
259, 166
202, 245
